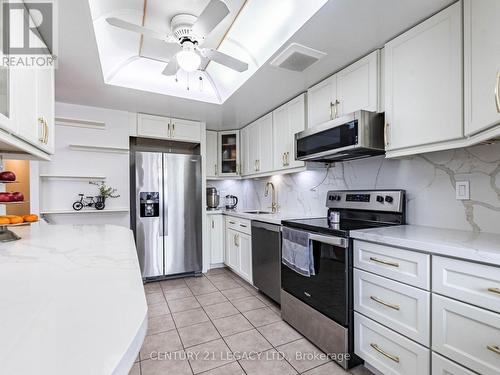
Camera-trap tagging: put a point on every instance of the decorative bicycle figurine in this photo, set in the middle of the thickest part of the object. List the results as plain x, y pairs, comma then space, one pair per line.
97, 202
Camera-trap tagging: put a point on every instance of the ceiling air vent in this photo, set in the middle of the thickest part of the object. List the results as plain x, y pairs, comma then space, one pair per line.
297, 57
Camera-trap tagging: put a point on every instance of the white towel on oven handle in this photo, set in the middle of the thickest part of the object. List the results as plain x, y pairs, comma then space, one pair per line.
297, 252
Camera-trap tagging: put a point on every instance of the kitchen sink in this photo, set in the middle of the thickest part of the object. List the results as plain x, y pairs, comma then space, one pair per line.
258, 212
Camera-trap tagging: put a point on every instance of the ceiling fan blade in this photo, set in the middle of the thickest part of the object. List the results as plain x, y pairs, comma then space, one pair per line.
211, 16
116, 22
226, 60
170, 69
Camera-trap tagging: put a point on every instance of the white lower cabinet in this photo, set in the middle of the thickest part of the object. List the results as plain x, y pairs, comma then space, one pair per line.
472, 283
443, 366
398, 264
387, 351
245, 248
232, 258
401, 307
466, 334
238, 250
216, 230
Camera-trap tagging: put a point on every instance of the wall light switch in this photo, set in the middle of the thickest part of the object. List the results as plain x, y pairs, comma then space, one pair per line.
463, 190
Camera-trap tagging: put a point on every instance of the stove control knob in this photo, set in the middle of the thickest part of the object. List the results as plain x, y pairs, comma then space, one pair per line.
380, 199
389, 199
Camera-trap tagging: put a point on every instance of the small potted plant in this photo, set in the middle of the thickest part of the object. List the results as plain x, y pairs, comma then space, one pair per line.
105, 192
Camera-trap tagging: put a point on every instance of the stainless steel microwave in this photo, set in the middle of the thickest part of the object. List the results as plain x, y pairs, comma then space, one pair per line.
357, 135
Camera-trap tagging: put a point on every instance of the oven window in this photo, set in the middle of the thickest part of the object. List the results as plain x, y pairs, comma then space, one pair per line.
326, 291
338, 137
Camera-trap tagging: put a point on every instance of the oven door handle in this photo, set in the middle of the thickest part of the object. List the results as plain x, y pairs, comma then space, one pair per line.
330, 240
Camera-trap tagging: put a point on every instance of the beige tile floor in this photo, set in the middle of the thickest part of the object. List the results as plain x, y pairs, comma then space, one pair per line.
211, 324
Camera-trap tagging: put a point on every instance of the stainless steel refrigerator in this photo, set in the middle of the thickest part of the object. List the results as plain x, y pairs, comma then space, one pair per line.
168, 214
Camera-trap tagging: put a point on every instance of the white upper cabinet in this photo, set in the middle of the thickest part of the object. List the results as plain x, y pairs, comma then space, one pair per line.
160, 127
288, 120
321, 101
185, 130
153, 126
354, 88
423, 82
260, 142
244, 151
266, 143
46, 109
211, 164
482, 64
358, 85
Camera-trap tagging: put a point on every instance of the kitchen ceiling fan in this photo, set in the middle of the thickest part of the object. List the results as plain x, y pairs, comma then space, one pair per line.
189, 33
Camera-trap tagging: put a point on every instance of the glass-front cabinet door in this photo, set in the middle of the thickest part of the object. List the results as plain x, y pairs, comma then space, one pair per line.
229, 153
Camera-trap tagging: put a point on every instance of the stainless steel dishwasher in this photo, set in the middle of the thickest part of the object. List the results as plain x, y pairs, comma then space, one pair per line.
266, 258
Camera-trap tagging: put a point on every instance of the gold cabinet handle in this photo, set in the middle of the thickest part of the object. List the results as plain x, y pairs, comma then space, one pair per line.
390, 356
390, 305
494, 348
497, 93
42, 136
494, 290
46, 131
336, 108
387, 263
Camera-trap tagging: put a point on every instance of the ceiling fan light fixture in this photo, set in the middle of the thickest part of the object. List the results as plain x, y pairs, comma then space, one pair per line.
188, 59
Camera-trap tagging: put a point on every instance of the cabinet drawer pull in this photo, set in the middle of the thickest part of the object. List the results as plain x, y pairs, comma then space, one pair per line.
494, 348
331, 111
232, 222
494, 290
283, 159
46, 141
497, 93
390, 356
390, 305
243, 225
392, 264
42, 136
337, 108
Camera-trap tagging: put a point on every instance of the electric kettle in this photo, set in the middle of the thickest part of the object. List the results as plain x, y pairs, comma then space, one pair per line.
231, 202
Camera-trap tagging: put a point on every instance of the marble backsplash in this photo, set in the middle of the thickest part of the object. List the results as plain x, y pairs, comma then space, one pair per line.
428, 179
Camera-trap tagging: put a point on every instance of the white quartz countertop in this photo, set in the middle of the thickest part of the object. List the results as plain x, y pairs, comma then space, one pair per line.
267, 218
478, 247
72, 301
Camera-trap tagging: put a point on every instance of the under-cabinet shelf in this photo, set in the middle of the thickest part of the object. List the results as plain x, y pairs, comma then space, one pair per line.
71, 177
90, 148
66, 212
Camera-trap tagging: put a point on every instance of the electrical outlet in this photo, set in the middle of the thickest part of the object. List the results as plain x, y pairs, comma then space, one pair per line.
463, 190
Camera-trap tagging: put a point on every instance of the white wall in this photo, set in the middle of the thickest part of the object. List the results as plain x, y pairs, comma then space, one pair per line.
59, 194
429, 180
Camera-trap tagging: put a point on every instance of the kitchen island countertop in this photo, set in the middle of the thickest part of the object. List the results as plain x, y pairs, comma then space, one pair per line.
72, 301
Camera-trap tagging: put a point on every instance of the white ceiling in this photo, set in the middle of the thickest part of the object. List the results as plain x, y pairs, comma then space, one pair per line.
345, 29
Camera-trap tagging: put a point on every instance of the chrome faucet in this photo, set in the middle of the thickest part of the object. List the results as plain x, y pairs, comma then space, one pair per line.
274, 204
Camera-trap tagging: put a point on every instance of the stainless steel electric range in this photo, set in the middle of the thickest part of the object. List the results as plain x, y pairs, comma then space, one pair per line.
320, 305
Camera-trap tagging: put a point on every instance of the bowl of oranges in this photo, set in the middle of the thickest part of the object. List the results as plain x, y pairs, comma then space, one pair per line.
17, 220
